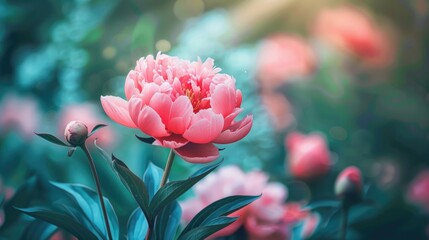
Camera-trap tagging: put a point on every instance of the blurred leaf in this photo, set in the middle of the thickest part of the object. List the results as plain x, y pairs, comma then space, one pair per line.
219, 208
172, 190
137, 225
103, 153
148, 140
96, 128
134, 184
61, 220
71, 151
168, 221
208, 229
52, 139
39, 229
324, 204
152, 179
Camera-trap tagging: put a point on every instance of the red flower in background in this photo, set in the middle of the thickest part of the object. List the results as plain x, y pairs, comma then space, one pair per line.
186, 106
283, 57
348, 185
418, 191
308, 155
354, 31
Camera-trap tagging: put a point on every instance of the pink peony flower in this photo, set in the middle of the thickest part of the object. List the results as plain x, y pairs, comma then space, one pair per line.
279, 109
348, 185
308, 155
186, 106
88, 114
283, 57
228, 181
353, 30
19, 113
418, 190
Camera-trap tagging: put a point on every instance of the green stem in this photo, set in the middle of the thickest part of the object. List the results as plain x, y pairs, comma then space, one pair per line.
167, 168
344, 222
100, 194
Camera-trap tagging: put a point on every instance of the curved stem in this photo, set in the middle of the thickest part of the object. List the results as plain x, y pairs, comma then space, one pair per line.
345, 213
167, 168
100, 194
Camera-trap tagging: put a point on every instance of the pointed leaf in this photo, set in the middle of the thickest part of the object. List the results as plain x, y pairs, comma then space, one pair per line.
71, 151
148, 140
152, 179
134, 184
172, 190
52, 139
39, 229
211, 227
137, 225
219, 208
168, 221
61, 220
96, 128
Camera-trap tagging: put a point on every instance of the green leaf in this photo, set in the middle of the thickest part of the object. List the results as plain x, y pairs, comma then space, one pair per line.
96, 128
172, 190
152, 179
52, 139
167, 221
87, 203
103, 153
39, 229
134, 184
148, 140
61, 220
211, 227
71, 151
137, 225
323, 204
219, 208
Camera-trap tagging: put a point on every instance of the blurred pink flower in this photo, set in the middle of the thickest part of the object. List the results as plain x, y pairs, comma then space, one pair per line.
283, 57
418, 190
19, 113
354, 31
186, 106
269, 217
88, 114
279, 109
348, 185
308, 155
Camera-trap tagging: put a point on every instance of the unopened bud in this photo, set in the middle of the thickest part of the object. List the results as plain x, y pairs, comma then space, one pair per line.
76, 133
348, 186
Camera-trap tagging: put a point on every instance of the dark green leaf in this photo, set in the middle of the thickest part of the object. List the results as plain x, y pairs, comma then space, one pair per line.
39, 229
168, 221
172, 190
148, 140
137, 225
152, 179
211, 227
61, 220
103, 153
134, 184
52, 139
323, 204
219, 208
98, 126
71, 151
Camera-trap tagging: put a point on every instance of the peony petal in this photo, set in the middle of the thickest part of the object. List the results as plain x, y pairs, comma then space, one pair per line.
131, 85
146, 119
236, 131
117, 109
198, 153
161, 103
223, 100
180, 115
173, 141
205, 127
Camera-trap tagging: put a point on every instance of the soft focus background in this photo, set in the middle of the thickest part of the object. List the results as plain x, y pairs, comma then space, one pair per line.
331, 83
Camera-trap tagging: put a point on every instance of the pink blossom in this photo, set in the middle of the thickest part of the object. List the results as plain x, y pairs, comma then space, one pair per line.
186, 106
354, 31
279, 109
308, 155
19, 113
283, 57
88, 114
418, 190
348, 185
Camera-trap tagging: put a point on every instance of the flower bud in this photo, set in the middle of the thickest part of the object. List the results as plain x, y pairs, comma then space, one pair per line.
348, 186
76, 133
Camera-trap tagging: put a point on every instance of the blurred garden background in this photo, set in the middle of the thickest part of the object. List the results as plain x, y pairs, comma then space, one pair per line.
330, 84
